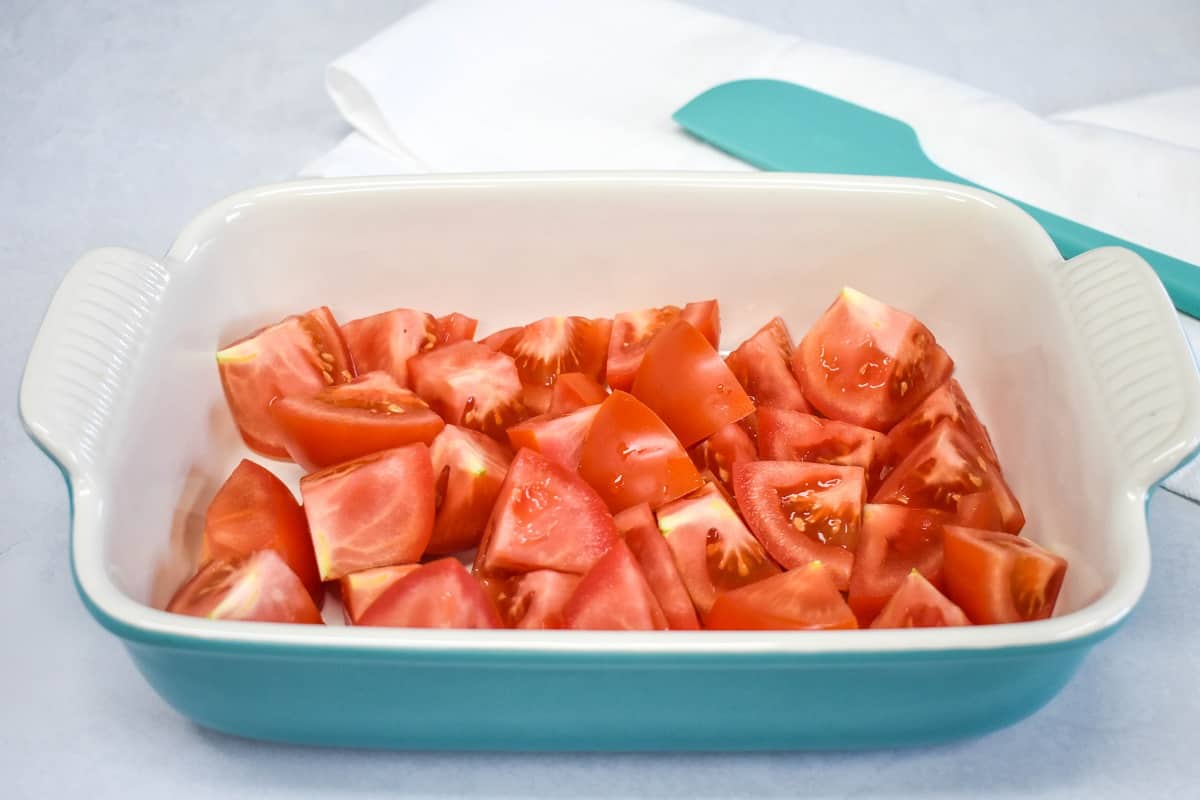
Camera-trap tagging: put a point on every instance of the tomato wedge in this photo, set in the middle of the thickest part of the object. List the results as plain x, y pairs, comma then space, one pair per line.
348, 420
614, 596
385, 342
371, 512
998, 577
558, 437
803, 512
867, 363
918, 604
718, 453
785, 435
468, 470
545, 518
704, 316
470, 385
360, 589
762, 365
653, 554
948, 401
574, 390
801, 599
258, 588
440, 594
685, 382
497, 341
894, 542
253, 510
534, 600
631, 335
629, 456
455, 327
942, 471
713, 549
299, 355
545, 349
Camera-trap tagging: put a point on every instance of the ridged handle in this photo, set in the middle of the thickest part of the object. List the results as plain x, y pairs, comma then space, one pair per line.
88, 344
1139, 359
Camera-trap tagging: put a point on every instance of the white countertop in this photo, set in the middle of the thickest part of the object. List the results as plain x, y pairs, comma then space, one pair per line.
122, 120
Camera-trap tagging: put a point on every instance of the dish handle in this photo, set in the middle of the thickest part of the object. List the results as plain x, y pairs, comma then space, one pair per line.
88, 344
1141, 365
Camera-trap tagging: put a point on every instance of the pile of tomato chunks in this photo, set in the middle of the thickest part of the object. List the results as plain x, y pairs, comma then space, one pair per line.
614, 474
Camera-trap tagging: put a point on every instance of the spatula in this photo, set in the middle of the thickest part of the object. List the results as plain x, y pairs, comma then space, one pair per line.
777, 125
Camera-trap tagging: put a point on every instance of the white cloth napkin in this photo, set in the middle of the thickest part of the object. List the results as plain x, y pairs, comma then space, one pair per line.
476, 85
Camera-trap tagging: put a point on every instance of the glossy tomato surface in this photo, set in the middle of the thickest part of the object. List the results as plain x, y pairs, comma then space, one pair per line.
805, 598
998, 577
614, 595
704, 316
258, 588
440, 594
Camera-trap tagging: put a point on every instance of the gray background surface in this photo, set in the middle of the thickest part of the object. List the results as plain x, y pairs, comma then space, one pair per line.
119, 121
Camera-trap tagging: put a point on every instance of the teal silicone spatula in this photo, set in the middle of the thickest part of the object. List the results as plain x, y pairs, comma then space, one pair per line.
777, 125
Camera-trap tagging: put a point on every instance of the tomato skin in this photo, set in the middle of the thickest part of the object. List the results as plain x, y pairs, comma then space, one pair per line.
704, 316
440, 594
348, 420
948, 401
545, 349
785, 435
718, 453
498, 340
918, 604
257, 588
468, 470
371, 512
299, 355
385, 342
867, 363
470, 385
614, 595
762, 365
801, 599
558, 437
545, 517
253, 510
532, 600
894, 541
685, 382
455, 327
630, 456
803, 512
631, 335
998, 577
653, 554
360, 589
574, 390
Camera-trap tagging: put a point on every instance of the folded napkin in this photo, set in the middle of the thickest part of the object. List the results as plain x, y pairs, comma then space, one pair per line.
473, 85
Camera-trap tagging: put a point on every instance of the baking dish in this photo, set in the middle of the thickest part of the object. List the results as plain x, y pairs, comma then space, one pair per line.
1078, 368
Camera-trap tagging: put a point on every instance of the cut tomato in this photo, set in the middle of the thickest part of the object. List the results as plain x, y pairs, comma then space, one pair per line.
712, 547
918, 604
441, 594
867, 363
258, 588
650, 548
718, 453
360, 589
545, 518
455, 327
802, 599
371, 512
629, 456
574, 390
785, 435
469, 385
533, 599
558, 437
803, 512
631, 335
998, 577
943, 470
253, 510
497, 341
614, 596
545, 349
387, 341
468, 470
298, 356
894, 541
704, 316
762, 365
687, 384
946, 402
348, 420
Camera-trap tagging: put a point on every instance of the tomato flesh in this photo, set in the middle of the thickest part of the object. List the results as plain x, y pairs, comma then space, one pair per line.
253, 510
470, 385
704, 316
558, 437
297, 356
360, 589
867, 363
894, 542
468, 470
545, 349
762, 365
498, 340
630, 456
803, 599
371, 512
653, 554
574, 390
718, 453
614, 595
534, 600
385, 342
455, 327
918, 604
440, 594
785, 435
998, 577
631, 335
947, 402
258, 588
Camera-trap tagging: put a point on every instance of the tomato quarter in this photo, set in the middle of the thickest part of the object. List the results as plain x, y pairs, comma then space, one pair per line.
948, 401
535, 599
918, 604
470, 385
804, 599
574, 390
762, 365
545, 349
785, 435
441, 594
998, 577
894, 541
650, 548
614, 595
704, 316
558, 437
360, 589
468, 470
387, 341
718, 453
258, 588
455, 328
631, 335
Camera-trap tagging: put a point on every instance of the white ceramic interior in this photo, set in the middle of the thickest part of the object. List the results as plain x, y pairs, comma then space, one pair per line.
1079, 370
